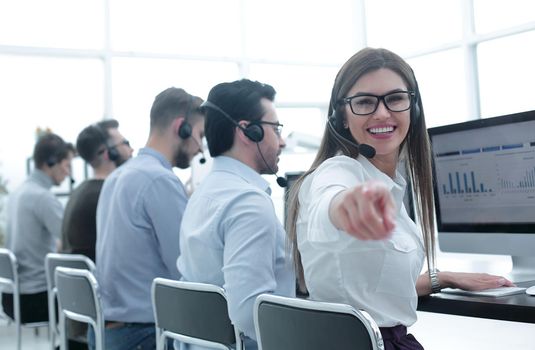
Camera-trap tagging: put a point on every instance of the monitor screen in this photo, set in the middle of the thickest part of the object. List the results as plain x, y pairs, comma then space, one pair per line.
484, 184
485, 174
291, 178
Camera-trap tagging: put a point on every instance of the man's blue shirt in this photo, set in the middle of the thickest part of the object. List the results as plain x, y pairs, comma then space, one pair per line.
138, 221
231, 237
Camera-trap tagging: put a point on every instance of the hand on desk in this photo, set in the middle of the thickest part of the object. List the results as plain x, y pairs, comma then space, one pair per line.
472, 281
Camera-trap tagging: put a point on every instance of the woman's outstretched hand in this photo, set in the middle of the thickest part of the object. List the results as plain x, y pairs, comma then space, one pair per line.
366, 211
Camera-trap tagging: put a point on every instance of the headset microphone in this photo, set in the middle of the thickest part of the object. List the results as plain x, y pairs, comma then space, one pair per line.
364, 149
281, 181
202, 160
254, 132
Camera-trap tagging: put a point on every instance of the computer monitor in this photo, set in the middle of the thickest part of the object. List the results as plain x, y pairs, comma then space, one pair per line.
291, 178
485, 188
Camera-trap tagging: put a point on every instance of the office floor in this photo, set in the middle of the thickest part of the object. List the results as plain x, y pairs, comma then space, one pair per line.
434, 331
30, 341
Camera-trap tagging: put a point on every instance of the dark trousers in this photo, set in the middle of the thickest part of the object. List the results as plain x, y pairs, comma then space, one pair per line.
396, 338
33, 307
126, 336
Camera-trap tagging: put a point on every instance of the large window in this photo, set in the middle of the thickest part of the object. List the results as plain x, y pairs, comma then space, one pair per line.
137, 81
406, 26
78, 24
200, 27
63, 94
506, 85
65, 64
441, 80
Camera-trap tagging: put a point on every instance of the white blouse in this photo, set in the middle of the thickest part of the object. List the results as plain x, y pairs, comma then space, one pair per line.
376, 276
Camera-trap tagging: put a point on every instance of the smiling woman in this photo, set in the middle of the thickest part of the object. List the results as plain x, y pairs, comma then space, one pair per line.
65, 64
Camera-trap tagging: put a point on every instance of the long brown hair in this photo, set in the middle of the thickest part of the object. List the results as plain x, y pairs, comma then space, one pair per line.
416, 144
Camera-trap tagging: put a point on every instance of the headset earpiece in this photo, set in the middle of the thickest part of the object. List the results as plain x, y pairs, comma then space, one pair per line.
415, 108
254, 132
184, 131
113, 154
51, 161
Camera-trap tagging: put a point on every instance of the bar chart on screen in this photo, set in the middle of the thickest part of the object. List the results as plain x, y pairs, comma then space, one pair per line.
490, 177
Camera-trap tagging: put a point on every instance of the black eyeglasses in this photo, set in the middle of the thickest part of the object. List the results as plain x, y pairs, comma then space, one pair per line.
365, 104
123, 142
277, 127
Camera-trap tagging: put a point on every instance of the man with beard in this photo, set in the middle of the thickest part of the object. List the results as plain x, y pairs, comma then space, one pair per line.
138, 220
103, 147
230, 234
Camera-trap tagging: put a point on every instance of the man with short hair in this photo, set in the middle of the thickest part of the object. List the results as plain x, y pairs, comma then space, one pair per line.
138, 220
104, 148
230, 234
34, 225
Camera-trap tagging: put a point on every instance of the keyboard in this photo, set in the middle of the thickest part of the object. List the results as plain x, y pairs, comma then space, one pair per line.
494, 292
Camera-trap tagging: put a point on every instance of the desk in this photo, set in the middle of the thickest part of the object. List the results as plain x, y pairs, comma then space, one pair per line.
517, 308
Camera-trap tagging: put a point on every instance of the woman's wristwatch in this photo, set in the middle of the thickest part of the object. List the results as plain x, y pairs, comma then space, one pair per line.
435, 285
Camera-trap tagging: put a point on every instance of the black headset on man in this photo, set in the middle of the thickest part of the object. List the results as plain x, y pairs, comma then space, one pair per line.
113, 152
185, 130
59, 153
253, 131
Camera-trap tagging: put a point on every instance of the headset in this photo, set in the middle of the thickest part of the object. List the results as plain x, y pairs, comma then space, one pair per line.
415, 104
364, 149
51, 161
113, 153
54, 159
185, 130
253, 131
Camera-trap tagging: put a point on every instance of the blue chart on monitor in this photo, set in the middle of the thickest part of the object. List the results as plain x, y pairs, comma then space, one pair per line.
488, 175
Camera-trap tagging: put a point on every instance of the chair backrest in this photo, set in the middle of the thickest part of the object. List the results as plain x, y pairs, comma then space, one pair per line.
77, 292
53, 260
75, 261
8, 269
194, 313
9, 282
288, 323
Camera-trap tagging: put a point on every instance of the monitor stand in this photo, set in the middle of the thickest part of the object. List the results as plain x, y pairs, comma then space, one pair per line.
523, 268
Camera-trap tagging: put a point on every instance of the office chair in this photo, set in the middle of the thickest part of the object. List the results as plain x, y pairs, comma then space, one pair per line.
77, 293
295, 324
53, 260
194, 313
9, 282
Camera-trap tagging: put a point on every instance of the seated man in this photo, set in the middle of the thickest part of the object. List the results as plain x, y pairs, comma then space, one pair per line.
103, 147
230, 235
34, 225
138, 221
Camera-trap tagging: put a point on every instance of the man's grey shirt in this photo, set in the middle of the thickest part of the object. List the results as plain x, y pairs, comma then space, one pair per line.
33, 226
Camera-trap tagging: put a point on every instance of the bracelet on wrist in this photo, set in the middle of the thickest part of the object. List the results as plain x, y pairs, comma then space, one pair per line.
435, 284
